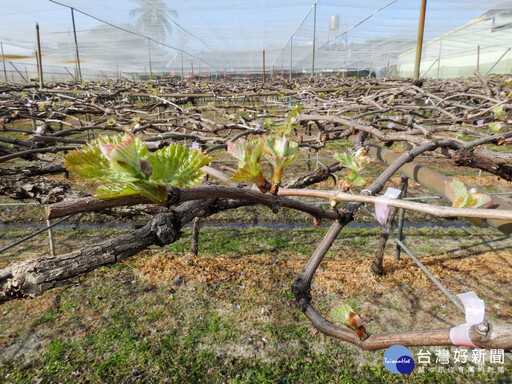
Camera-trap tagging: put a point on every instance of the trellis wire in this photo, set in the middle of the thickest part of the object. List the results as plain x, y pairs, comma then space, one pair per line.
34, 234
16, 204
48, 225
440, 285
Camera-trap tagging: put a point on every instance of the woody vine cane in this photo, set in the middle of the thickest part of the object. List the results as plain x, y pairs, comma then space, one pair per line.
139, 177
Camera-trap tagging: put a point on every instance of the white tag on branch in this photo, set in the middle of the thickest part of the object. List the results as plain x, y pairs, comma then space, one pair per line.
392, 124
475, 312
381, 205
38, 131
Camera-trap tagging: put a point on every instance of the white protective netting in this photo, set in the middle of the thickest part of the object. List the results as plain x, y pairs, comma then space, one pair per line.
133, 38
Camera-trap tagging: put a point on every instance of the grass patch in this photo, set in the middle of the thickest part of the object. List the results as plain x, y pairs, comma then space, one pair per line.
228, 315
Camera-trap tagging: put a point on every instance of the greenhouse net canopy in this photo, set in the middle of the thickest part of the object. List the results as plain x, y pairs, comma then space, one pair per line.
137, 37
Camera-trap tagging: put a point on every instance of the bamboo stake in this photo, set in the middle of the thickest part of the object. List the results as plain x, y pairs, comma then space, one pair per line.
3, 61
314, 42
419, 43
50, 237
39, 58
76, 46
263, 67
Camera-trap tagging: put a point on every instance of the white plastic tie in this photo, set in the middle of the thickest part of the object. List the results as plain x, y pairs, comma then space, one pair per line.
475, 312
381, 205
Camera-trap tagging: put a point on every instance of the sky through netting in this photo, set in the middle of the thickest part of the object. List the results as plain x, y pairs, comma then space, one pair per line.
123, 38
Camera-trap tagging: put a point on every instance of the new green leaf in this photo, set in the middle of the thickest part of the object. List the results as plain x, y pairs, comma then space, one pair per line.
461, 197
125, 167
280, 152
341, 314
248, 153
354, 164
177, 165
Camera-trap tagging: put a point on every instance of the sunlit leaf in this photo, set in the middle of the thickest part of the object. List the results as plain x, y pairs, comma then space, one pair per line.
345, 314
460, 197
345, 159
125, 167
457, 193
246, 151
123, 156
356, 180
116, 190
362, 159
479, 200
341, 314
280, 146
354, 164
280, 151
88, 163
177, 165
249, 171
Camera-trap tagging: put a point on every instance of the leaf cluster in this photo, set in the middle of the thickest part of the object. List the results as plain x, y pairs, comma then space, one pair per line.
279, 150
461, 197
355, 164
345, 314
124, 166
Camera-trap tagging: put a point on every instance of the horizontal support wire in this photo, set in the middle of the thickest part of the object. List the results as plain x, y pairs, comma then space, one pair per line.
16, 204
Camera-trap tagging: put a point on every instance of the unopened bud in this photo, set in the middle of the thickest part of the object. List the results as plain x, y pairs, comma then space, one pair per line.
146, 168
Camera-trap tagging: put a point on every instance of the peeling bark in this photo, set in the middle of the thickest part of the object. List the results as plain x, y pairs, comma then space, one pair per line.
44, 191
495, 163
35, 170
32, 277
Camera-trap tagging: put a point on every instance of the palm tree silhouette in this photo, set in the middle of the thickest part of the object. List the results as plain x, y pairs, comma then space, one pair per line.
153, 18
